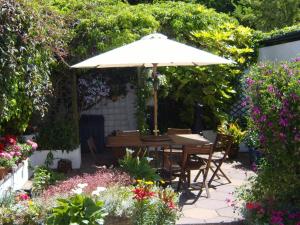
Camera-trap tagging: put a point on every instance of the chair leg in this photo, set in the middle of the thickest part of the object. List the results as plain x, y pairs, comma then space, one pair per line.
221, 171
214, 171
197, 176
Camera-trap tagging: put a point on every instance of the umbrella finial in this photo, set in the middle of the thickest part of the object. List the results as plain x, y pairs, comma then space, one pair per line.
154, 36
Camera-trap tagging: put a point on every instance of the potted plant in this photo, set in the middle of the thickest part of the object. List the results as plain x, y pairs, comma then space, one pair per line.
236, 132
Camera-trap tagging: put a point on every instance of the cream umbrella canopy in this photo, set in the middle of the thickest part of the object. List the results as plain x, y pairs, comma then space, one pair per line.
154, 50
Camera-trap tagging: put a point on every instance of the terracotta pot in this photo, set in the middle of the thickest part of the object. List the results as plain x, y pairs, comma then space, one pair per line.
234, 151
3, 172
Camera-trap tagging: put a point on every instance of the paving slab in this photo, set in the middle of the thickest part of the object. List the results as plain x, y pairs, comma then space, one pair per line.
215, 210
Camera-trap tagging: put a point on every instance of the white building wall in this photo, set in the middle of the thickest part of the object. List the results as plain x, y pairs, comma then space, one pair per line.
118, 115
280, 52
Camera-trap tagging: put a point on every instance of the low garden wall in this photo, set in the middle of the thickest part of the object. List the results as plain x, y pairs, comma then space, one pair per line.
39, 157
16, 179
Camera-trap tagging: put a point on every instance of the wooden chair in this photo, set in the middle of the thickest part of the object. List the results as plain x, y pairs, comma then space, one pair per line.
176, 150
128, 134
191, 161
104, 158
221, 149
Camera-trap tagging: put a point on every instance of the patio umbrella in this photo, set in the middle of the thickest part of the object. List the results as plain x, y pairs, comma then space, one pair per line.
154, 50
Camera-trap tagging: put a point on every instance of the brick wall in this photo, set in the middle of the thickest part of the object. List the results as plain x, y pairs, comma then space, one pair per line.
119, 114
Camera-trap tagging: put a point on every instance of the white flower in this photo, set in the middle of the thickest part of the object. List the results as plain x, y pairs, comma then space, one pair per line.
77, 191
129, 151
82, 185
149, 159
98, 190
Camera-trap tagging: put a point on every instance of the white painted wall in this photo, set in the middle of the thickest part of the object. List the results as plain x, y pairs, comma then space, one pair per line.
38, 157
16, 180
118, 115
281, 52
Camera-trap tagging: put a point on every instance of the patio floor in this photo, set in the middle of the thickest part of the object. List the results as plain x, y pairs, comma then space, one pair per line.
215, 210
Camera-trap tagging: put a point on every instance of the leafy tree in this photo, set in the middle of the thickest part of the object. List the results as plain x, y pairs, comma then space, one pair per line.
267, 15
24, 69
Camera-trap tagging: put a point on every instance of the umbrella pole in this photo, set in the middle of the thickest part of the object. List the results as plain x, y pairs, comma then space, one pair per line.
154, 76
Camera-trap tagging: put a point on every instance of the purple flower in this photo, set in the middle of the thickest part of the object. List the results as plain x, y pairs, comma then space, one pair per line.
249, 81
271, 89
263, 118
256, 110
262, 138
254, 167
244, 103
297, 137
283, 122
297, 59
294, 96
270, 124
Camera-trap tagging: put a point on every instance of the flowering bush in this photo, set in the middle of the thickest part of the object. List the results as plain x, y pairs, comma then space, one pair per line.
274, 96
11, 152
154, 205
102, 177
22, 210
145, 203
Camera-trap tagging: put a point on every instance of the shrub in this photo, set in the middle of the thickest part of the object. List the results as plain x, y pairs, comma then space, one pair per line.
43, 178
138, 167
77, 209
274, 93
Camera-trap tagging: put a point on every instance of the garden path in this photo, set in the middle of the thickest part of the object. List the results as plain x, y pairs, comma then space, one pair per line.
216, 209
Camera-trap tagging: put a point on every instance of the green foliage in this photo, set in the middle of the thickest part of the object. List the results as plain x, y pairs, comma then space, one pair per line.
268, 15
274, 98
43, 177
232, 129
138, 167
24, 68
77, 209
57, 135
105, 25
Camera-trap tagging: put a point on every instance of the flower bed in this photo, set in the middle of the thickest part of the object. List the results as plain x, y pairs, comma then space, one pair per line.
12, 153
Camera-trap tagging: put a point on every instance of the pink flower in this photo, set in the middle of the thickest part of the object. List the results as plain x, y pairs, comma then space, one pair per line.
271, 89
282, 136
254, 167
263, 118
33, 144
23, 197
249, 81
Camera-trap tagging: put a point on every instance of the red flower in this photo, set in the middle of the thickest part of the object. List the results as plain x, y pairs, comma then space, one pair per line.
142, 193
253, 205
1, 147
23, 196
10, 139
171, 205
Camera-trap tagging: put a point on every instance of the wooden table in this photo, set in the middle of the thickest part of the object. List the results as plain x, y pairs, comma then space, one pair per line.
137, 141
166, 141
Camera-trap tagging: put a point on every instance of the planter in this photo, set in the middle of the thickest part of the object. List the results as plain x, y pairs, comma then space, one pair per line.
113, 220
38, 157
16, 178
234, 151
3, 172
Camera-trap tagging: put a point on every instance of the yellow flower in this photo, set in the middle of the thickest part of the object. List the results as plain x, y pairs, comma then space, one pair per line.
149, 182
30, 202
161, 181
139, 181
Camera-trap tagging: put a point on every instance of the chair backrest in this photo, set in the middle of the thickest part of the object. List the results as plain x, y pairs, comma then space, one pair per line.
190, 151
223, 143
178, 131
128, 133
92, 145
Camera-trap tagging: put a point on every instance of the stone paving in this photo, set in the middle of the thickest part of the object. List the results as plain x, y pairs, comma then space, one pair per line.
215, 210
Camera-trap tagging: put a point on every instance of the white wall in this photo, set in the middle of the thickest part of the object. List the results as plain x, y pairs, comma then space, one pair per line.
281, 52
118, 115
